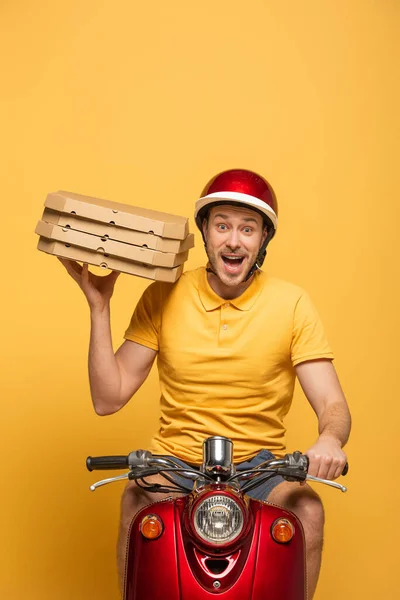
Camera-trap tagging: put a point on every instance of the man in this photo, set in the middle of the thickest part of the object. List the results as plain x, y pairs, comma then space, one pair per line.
230, 342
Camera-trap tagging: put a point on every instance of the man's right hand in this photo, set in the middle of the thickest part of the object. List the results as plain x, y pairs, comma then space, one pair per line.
98, 290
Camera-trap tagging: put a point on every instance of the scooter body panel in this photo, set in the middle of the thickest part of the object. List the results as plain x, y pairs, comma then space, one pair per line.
176, 567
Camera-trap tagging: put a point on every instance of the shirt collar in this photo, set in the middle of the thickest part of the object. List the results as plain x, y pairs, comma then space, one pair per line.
245, 301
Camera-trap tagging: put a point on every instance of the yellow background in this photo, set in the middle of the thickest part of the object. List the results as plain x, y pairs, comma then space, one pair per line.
142, 103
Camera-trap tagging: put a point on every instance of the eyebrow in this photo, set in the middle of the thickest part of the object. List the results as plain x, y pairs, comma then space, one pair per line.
246, 219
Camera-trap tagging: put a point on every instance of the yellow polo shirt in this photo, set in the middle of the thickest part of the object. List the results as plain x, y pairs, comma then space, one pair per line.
226, 366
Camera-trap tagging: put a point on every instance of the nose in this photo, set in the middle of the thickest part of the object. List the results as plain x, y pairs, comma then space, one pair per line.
234, 240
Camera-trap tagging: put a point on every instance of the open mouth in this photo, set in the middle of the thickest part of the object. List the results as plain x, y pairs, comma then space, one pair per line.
232, 260
232, 263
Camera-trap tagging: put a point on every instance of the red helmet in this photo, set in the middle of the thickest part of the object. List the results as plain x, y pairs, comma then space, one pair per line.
242, 187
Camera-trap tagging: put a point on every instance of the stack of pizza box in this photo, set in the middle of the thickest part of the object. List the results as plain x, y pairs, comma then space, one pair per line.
115, 236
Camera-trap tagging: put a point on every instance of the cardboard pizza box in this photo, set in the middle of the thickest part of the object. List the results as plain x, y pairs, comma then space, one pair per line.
122, 215
120, 234
109, 262
107, 246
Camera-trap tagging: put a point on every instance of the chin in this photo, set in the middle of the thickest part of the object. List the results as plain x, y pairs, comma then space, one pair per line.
228, 279
231, 280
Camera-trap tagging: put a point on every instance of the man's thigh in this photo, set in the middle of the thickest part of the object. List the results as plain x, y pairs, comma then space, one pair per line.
288, 494
135, 497
303, 501
262, 491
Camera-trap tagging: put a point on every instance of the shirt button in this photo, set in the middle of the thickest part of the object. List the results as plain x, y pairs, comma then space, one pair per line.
225, 326
227, 305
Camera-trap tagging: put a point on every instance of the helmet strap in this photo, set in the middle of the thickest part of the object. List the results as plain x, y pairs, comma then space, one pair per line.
262, 253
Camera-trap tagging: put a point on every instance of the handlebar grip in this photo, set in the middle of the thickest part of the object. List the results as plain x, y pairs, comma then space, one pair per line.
97, 463
345, 469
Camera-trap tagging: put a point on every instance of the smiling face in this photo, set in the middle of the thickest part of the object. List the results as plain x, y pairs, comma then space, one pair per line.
234, 236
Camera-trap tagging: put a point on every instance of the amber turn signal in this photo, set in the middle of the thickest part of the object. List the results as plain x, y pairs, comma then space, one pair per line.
151, 527
282, 531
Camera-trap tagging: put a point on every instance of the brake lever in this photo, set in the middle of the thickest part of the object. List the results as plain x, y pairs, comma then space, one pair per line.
108, 480
297, 467
342, 488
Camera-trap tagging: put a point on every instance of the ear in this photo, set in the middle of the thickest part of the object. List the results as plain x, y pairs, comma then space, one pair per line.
204, 227
264, 235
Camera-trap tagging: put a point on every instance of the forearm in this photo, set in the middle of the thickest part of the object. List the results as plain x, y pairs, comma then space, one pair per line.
104, 374
335, 422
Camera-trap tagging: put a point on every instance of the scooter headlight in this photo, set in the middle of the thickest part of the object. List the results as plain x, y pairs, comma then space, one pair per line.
218, 519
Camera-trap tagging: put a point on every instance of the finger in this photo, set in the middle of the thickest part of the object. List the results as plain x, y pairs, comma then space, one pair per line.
74, 269
324, 466
313, 465
86, 276
340, 468
334, 468
111, 279
69, 263
337, 473
114, 276
85, 271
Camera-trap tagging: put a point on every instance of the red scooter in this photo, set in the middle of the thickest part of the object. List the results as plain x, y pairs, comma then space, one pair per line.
215, 540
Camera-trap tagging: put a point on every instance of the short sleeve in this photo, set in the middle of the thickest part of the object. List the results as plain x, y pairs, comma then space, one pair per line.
145, 323
308, 341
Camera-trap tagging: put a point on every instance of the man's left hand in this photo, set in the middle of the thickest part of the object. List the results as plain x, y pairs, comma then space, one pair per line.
327, 459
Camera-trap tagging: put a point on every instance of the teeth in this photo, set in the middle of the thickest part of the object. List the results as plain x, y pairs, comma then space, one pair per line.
234, 257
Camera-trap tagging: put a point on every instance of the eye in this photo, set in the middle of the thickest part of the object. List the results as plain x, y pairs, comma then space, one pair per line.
222, 227
248, 230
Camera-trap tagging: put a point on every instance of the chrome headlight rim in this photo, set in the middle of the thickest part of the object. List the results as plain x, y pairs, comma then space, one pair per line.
232, 539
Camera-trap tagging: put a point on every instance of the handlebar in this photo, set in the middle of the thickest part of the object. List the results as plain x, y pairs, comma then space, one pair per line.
97, 463
293, 467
